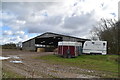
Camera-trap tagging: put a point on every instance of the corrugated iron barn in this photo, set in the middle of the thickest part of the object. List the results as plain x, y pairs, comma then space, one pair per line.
48, 41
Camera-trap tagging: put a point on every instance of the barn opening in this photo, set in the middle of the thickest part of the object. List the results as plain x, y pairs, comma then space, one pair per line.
47, 44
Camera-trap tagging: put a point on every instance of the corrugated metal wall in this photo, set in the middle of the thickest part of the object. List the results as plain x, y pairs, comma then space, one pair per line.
29, 45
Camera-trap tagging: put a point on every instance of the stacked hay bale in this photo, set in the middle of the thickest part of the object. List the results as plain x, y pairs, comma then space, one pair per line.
40, 49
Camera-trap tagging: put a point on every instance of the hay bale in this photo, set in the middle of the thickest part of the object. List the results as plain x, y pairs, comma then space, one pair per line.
40, 49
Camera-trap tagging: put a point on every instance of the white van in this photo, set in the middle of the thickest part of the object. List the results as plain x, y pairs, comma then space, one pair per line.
95, 47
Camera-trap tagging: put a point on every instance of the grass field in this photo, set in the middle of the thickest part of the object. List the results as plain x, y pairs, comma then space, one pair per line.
107, 64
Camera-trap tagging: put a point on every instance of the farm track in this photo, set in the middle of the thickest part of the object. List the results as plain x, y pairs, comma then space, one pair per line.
36, 68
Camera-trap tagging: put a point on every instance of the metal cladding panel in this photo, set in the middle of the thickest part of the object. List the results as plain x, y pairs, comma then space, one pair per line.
65, 48
29, 45
60, 43
60, 50
66, 43
78, 50
78, 44
72, 50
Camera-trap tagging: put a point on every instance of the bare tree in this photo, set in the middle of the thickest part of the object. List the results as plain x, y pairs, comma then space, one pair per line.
108, 30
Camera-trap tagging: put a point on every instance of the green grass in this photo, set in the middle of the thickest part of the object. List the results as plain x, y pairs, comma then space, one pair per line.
10, 74
107, 64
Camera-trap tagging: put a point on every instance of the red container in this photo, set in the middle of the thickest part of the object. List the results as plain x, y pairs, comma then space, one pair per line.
69, 49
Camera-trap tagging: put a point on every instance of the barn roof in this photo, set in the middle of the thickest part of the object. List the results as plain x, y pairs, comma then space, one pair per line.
55, 34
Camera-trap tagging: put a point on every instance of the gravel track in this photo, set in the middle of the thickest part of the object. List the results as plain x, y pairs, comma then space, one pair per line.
36, 68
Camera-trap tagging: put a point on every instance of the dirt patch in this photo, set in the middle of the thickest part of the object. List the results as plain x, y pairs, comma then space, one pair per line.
36, 68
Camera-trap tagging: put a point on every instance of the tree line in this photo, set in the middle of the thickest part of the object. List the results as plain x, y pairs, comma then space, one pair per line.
108, 30
12, 46
9, 46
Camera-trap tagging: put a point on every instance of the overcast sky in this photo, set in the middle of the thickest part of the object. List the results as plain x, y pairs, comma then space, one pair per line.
24, 20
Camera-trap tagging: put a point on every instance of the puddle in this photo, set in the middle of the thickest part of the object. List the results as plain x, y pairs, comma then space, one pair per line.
4, 58
12, 56
16, 61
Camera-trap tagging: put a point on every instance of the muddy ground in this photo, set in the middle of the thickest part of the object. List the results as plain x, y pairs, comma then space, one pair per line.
36, 68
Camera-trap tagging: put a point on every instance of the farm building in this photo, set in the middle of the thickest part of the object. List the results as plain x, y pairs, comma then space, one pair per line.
48, 41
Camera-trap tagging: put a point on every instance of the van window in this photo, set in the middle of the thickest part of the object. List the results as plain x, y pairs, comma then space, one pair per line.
103, 44
85, 44
93, 42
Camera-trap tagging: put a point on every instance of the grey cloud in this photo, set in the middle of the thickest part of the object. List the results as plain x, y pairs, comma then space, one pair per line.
48, 24
53, 20
78, 21
24, 8
76, 25
39, 28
